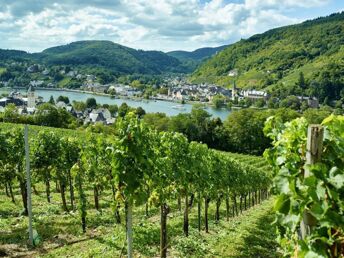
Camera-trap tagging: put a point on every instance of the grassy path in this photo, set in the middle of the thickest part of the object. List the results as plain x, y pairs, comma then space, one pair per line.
249, 235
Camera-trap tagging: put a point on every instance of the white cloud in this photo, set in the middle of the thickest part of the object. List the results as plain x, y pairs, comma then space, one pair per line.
285, 3
144, 24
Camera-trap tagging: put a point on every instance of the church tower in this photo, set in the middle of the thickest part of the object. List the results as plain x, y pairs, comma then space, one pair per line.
31, 98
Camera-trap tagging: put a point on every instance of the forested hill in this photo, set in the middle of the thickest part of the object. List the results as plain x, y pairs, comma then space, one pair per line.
276, 57
103, 54
13, 54
113, 56
191, 59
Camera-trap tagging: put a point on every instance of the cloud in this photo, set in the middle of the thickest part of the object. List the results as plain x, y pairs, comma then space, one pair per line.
146, 24
285, 3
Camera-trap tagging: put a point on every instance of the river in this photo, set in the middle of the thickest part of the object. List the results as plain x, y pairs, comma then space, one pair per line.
150, 106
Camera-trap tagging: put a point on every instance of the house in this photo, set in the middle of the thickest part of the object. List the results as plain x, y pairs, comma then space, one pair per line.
95, 87
46, 72
179, 94
101, 115
33, 69
36, 83
68, 107
106, 113
233, 73
72, 74
312, 102
22, 111
90, 77
10, 100
255, 94
61, 104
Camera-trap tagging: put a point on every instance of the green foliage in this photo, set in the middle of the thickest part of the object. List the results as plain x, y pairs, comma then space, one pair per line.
291, 102
48, 115
320, 194
218, 101
158, 121
114, 57
51, 100
245, 129
91, 103
64, 99
79, 105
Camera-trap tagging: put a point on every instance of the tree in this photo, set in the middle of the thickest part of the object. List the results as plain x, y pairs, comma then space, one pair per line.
113, 109
64, 99
58, 77
291, 102
140, 112
301, 82
123, 110
79, 105
91, 103
316, 116
11, 114
259, 103
48, 115
158, 121
245, 131
51, 100
218, 101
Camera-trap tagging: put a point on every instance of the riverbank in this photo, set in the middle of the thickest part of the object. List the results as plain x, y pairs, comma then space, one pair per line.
207, 104
150, 106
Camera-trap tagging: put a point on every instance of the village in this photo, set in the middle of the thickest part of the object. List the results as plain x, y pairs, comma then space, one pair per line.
175, 89
27, 105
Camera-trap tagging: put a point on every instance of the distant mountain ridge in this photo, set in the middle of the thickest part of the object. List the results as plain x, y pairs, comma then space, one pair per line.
198, 54
115, 57
192, 59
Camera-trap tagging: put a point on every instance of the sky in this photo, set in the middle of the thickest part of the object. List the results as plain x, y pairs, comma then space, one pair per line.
33, 25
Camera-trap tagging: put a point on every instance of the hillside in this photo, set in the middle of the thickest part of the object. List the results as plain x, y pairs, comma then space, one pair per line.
277, 57
109, 55
191, 59
12, 54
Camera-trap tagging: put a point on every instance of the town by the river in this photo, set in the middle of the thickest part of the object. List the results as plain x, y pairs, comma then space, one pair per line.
150, 106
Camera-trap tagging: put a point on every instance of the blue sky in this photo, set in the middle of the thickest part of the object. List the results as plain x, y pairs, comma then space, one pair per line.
34, 25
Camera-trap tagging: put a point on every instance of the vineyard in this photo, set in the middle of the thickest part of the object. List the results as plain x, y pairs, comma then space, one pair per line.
308, 165
118, 185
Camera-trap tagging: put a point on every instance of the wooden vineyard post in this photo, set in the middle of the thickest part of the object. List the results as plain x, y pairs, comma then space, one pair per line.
28, 182
129, 214
163, 230
315, 137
